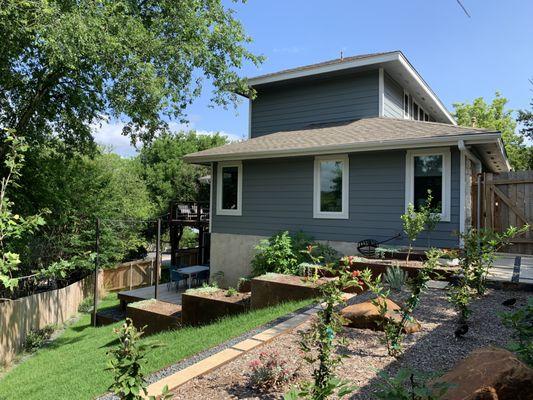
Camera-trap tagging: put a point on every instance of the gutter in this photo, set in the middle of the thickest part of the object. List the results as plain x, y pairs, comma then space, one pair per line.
479, 168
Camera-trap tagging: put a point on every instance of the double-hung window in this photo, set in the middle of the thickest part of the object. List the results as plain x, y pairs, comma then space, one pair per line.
429, 170
229, 188
330, 198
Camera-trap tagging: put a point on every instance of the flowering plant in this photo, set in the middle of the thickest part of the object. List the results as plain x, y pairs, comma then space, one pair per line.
269, 370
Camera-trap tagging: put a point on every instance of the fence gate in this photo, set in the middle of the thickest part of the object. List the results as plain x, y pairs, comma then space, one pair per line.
507, 200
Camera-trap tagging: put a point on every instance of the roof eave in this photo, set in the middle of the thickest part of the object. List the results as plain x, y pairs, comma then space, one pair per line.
493, 137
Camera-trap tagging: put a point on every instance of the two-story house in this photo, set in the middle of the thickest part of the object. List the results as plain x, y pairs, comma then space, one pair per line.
337, 150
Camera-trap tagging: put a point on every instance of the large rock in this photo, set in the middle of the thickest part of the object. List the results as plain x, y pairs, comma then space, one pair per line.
489, 374
366, 316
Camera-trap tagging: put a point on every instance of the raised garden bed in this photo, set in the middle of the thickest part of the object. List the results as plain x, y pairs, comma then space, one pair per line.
206, 305
379, 266
271, 289
156, 315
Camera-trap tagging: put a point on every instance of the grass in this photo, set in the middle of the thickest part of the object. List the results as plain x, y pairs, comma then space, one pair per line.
72, 367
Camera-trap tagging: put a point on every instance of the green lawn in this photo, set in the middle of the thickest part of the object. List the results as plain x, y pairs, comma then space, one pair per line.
72, 367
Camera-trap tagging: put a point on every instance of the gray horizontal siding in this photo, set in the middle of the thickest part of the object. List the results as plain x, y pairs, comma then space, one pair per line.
278, 195
324, 100
393, 98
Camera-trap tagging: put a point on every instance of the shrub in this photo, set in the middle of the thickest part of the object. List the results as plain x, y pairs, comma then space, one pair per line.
521, 321
37, 337
86, 305
275, 255
269, 371
394, 329
409, 385
413, 224
327, 253
319, 344
125, 363
395, 277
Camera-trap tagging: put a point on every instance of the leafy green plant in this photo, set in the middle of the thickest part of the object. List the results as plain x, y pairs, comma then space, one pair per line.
327, 254
125, 363
12, 226
461, 295
432, 216
37, 337
275, 255
231, 292
413, 224
86, 305
320, 342
394, 328
395, 277
269, 371
480, 247
521, 321
409, 385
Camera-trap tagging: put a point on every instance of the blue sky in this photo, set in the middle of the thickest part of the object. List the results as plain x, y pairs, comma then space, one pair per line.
461, 58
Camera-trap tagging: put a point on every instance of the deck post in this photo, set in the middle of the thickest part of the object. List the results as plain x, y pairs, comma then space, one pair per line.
157, 257
96, 268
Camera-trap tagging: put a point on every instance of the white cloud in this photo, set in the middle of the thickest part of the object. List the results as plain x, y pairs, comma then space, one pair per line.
109, 134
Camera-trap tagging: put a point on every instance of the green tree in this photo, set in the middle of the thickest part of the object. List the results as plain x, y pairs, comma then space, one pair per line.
67, 64
162, 167
77, 189
495, 116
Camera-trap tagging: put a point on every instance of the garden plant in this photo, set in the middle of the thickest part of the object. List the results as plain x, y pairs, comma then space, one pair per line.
320, 342
269, 371
394, 328
125, 363
521, 321
408, 384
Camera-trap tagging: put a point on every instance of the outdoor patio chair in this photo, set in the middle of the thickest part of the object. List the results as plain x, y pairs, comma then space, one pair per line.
176, 277
201, 277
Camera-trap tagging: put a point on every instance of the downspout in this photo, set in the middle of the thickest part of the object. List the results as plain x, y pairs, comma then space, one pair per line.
479, 168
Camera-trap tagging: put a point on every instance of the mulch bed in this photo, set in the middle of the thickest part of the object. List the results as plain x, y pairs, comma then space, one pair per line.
434, 349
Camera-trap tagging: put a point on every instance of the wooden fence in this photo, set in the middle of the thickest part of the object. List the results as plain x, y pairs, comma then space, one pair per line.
140, 273
19, 317
508, 201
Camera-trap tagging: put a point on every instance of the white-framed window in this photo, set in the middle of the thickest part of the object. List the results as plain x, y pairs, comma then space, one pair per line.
229, 188
429, 169
330, 187
406, 105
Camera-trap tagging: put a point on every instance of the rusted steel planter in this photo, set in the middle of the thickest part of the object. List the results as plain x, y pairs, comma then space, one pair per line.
200, 308
156, 315
412, 267
272, 289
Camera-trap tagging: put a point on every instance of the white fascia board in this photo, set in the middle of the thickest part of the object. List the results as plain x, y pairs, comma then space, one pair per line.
347, 148
416, 76
383, 58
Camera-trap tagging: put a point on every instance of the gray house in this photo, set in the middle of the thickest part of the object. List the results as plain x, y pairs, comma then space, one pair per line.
338, 150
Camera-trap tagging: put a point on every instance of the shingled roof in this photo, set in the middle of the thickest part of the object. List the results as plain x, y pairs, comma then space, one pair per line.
347, 136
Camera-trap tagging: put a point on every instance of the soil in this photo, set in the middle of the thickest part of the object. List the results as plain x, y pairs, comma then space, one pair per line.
433, 350
221, 295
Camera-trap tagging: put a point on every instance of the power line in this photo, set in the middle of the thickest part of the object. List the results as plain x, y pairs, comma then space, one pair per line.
464, 8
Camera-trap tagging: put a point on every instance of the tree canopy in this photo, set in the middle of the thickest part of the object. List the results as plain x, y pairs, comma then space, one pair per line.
67, 64
166, 175
495, 116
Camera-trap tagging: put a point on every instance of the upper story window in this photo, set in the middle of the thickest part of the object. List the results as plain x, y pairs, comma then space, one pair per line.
330, 187
229, 188
429, 170
406, 105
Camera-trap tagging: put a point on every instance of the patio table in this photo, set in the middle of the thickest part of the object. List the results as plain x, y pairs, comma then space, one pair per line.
190, 271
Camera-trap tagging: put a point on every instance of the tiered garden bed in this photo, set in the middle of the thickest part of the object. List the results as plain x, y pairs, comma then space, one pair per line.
271, 289
203, 306
412, 267
154, 315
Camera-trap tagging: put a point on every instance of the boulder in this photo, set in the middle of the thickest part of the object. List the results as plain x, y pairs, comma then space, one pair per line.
366, 316
489, 374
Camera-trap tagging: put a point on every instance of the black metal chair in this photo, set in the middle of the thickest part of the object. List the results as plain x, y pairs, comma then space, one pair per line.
201, 277
176, 277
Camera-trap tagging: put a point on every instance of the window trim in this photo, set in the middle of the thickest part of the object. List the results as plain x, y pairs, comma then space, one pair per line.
344, 214
220, 167
446, 177
406, 115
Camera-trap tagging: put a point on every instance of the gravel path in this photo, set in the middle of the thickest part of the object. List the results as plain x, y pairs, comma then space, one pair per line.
434, 349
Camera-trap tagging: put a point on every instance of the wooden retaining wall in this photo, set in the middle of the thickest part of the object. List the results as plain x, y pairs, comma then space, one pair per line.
19, 317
